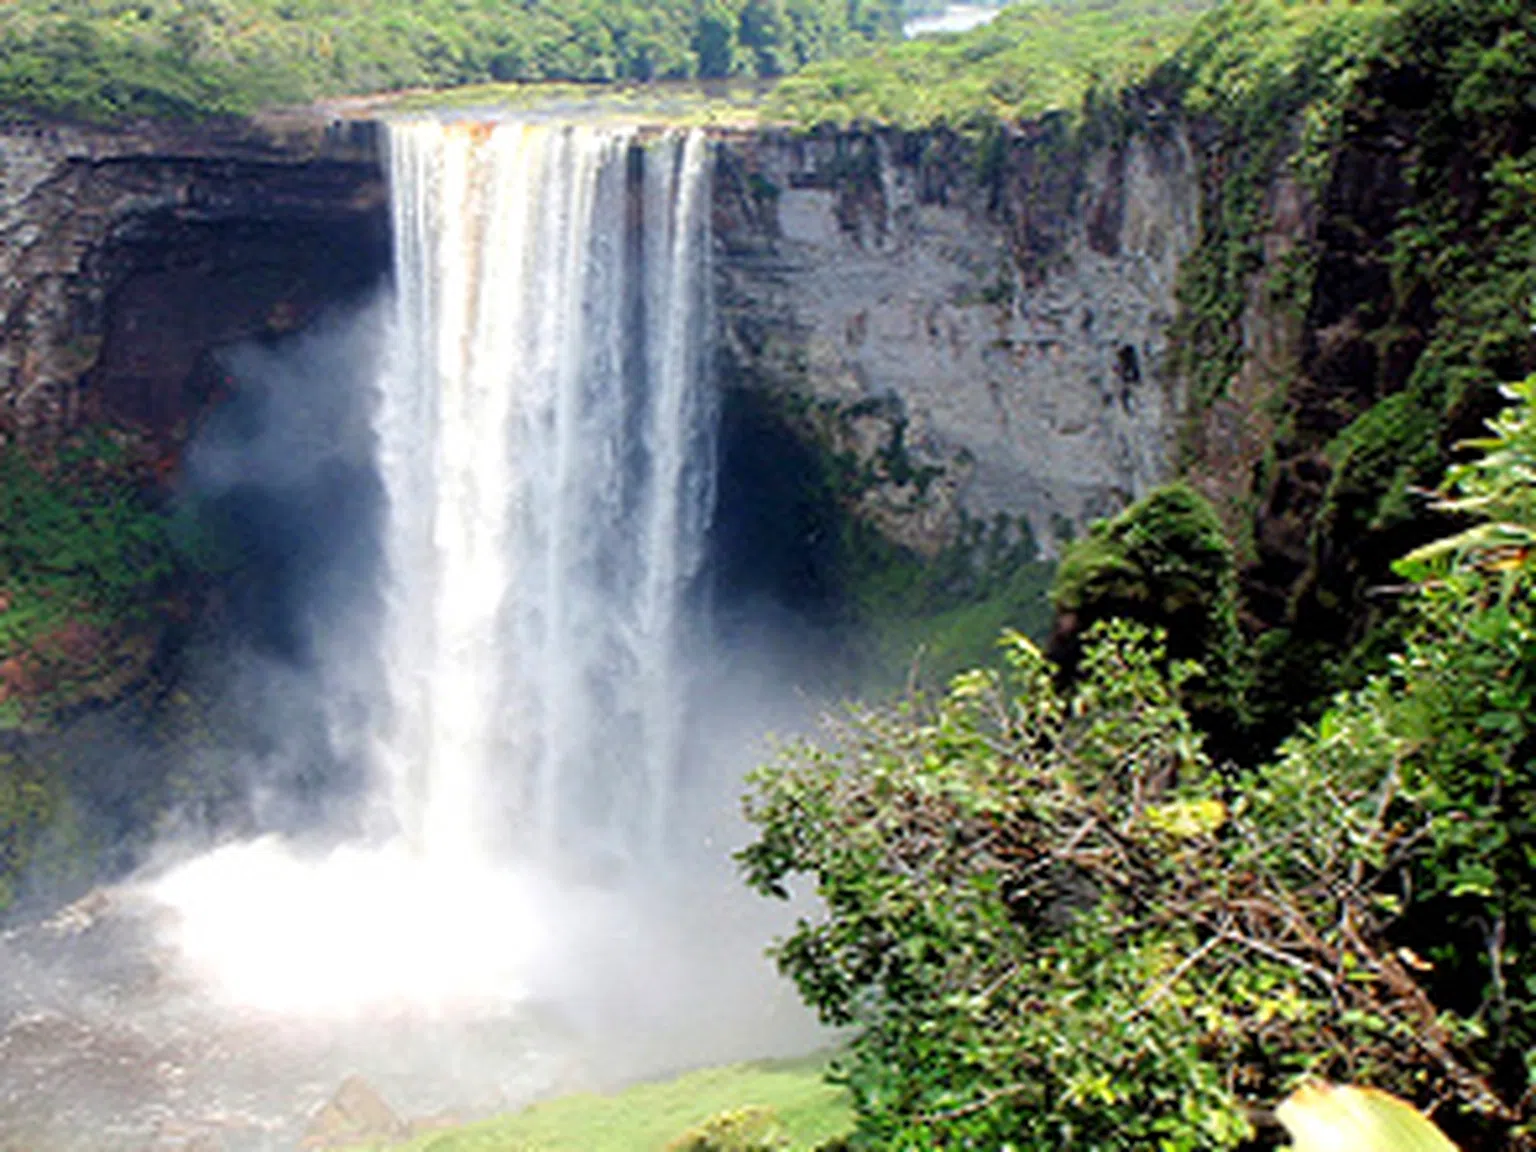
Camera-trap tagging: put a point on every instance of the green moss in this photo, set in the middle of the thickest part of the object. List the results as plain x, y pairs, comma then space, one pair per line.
1166, 550
753, 1129
1165, 562
1379, 459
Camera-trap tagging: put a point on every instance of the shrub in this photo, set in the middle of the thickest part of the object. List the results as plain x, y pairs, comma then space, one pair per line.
1052, 924
1164, 561
750, 1129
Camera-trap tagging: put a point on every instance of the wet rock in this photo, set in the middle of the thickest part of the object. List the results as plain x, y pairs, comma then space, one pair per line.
356, 1114
976, 344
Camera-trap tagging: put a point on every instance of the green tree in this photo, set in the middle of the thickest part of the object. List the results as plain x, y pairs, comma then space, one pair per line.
1053, 924
1166, 562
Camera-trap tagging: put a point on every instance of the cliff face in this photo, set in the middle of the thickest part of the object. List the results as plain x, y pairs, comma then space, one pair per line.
127, 256
971, 329
979, 328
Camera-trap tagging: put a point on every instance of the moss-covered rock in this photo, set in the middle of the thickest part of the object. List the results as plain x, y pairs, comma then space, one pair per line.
1166, 562
751, 1129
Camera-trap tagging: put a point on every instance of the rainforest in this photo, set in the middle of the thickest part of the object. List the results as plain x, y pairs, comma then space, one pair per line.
709, 576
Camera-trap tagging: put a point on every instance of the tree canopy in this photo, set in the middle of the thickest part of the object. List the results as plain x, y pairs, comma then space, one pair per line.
108, 59
1054, 921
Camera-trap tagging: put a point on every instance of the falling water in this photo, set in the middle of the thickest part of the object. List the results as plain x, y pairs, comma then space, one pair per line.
545, 440
544, 436
543, 430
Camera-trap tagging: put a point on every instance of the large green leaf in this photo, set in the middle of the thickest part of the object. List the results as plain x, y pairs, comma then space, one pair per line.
1328, 1118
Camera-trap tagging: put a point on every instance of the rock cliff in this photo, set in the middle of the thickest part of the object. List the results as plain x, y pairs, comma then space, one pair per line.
980, 326
126, 256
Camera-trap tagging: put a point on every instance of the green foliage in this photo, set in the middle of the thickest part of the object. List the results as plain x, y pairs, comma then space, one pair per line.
978, 931
81, 556
752, 1129
1275, 77
1166, 562
1427, 273
1463, 245
1497, 488
104, 60
1036, 56
1051, 923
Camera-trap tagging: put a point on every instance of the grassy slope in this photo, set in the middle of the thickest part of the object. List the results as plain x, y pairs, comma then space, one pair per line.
649, 1116
1038, 55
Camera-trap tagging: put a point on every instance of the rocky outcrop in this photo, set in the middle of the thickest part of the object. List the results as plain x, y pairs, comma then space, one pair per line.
976, 328
979, 327
126, 256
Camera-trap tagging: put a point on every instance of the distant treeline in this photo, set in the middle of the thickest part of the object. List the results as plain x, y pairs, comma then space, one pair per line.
1037, 55
110, 59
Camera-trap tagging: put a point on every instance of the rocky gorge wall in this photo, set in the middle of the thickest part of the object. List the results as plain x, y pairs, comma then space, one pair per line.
128, 255
980, 327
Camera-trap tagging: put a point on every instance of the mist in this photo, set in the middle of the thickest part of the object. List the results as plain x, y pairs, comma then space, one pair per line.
578, 921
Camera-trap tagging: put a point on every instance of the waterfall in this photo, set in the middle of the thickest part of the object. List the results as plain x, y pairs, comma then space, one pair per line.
545, 440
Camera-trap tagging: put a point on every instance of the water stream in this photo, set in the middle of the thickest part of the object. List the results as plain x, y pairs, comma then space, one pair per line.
545, 440
521, 671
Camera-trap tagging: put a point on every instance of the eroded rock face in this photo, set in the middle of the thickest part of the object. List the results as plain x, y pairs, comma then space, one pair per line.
127, 256
981, 327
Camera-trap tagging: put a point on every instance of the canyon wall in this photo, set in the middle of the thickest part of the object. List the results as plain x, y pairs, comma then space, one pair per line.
127, 256
978, 326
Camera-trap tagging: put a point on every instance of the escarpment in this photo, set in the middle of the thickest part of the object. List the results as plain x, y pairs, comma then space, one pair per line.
128, 256
980, 327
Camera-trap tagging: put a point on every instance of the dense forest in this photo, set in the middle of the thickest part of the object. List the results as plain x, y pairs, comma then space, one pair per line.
106, 59
1033, 58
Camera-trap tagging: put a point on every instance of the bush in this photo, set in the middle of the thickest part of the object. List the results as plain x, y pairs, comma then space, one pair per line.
738, 1130
1164, 561
1052, 923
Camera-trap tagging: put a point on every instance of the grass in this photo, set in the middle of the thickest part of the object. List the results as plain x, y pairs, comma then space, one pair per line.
935, 647
647, 1117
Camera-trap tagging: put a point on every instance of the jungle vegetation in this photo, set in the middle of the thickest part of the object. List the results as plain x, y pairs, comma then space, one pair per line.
1036, 56
1130, 897
1054, 920
107, 60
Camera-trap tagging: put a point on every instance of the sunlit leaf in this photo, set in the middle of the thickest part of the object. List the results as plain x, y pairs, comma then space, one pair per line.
1329, 1118
1188, 818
